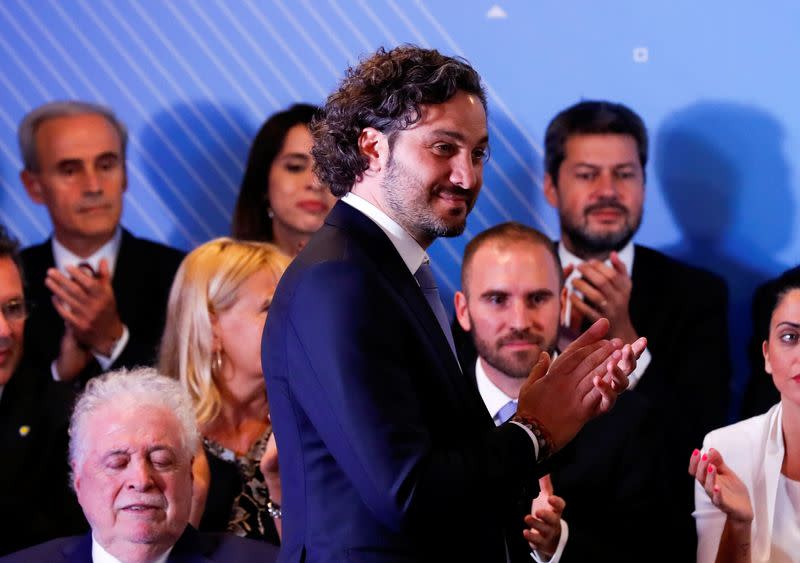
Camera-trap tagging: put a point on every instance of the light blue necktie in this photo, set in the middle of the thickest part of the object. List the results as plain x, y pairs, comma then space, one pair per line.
507, 411
427, 283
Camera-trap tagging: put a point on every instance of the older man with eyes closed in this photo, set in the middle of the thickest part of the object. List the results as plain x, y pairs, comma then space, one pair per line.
132, 441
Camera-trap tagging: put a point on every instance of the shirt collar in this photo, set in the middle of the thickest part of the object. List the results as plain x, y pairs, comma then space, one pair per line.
100, 555
410, 251
110, 250
493, 397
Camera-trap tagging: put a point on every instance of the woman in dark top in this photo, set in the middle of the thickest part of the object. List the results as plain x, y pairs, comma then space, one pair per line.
280, 200
212, 343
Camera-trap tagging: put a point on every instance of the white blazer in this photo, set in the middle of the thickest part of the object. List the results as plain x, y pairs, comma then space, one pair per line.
754, 449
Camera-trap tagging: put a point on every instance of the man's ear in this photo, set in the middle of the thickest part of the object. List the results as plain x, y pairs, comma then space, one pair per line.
76, 478
32, 185
563, 297
462, 310
765, 351
375, 146
550, 191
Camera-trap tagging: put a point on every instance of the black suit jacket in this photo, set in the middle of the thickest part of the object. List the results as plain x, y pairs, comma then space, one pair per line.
611, 477
36, 501
191, 547
683, 313
386, 451
142, 280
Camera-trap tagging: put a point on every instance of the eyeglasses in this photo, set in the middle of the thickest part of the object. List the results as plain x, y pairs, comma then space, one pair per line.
15, 310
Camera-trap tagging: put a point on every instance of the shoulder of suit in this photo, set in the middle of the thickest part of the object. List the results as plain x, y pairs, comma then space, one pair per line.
50, 551
745, 436
676, 271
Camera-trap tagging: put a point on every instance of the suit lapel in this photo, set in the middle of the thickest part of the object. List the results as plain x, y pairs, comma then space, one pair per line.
391, 266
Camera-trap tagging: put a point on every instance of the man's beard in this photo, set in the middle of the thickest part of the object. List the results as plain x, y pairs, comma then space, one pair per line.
411, 204
588, 243
516, 365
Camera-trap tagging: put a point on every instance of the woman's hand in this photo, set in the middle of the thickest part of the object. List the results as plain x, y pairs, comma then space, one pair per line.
723, 486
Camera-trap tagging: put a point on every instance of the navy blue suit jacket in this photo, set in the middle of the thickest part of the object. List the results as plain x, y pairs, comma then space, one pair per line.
386, 450
191, 547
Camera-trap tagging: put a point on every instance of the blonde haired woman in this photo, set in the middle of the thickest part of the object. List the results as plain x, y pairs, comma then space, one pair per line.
212, 344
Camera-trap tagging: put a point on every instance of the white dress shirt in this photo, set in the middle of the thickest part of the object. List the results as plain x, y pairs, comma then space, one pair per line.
63, 257
626, 256
100, 555
495, 399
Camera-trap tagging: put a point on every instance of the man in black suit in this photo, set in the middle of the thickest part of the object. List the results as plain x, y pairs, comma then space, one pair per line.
595, 158
34, 496
132, 441
100, 292
382, 441
610, 477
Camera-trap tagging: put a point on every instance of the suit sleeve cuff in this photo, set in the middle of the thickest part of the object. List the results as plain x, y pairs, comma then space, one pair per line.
641, 365
107, 361
532, 437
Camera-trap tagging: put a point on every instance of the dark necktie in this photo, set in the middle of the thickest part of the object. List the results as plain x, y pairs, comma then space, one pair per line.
427, 283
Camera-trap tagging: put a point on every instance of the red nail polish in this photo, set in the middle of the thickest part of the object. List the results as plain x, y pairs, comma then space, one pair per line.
710, 468
705, 457
695, 452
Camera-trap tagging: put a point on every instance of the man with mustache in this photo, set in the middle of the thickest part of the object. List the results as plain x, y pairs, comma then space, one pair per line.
511, 296
386, 452
595, 158
132, 440
100, 292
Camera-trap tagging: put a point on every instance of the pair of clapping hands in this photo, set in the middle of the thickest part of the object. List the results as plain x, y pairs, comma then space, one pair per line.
582, 383
85, 300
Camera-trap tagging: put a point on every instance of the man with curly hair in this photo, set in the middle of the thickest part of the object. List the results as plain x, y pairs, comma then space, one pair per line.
386, 451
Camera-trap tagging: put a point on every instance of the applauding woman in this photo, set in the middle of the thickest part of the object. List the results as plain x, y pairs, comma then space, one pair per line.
747, 495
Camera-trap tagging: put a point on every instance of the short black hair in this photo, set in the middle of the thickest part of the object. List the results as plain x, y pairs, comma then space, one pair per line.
9, 247
591, 117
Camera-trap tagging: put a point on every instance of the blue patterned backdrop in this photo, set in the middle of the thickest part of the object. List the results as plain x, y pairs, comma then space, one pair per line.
716, 83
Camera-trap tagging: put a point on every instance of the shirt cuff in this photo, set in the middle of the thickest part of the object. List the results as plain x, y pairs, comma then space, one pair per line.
533, 438
641, 365
539, 558
54, 371
106, 361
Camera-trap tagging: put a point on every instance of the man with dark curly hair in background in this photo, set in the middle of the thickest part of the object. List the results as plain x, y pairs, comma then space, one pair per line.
386, 451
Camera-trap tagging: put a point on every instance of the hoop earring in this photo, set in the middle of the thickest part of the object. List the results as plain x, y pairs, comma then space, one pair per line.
216, 363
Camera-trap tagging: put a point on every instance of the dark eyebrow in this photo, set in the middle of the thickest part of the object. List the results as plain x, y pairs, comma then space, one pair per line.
788, 324
108, 154
302, 155
457, 136
68, 162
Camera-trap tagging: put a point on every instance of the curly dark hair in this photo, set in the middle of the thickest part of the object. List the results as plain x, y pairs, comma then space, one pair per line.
591, 117
250, 219
385, 92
